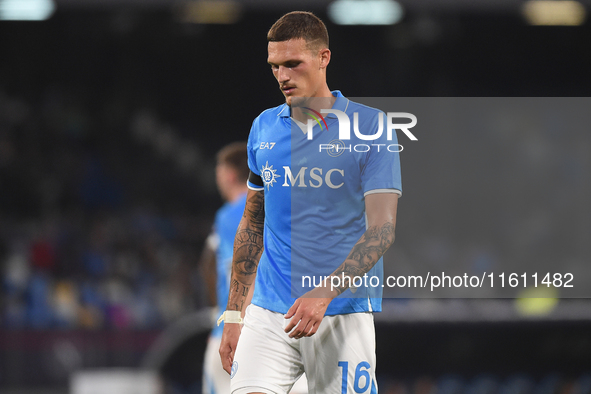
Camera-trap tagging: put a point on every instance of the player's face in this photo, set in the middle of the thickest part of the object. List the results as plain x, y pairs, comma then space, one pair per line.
223, 177
299, 70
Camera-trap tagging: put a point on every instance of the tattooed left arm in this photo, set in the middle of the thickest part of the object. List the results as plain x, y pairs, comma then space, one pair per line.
307, 311
379, 236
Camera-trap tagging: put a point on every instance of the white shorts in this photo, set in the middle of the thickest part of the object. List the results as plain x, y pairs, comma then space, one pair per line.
339, 358
215, 379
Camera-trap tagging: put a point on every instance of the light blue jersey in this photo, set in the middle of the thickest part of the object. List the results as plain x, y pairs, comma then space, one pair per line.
314, 200
226, 223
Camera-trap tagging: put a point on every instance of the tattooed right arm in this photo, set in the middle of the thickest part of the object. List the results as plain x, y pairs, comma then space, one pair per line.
248, 247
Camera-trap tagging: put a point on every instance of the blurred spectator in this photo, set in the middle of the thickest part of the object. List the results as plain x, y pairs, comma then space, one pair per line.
79, 246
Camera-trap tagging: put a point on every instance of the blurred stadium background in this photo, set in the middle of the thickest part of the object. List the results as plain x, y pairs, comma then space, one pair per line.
110, 116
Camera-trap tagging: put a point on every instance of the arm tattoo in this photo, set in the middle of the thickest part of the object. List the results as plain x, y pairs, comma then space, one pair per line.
255, 211
365, 254
248, 247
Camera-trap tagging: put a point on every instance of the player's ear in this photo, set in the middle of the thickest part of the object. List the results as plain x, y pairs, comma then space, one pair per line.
324, 55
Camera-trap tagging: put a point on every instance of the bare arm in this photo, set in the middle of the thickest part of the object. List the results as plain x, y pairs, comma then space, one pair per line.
248, 247
248, 300
307, 312
379, 236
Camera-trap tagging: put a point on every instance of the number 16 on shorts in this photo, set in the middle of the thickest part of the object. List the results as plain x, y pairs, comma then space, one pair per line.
361, 375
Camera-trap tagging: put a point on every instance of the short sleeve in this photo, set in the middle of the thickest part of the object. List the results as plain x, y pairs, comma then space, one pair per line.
381, 168
251, 145
254, 181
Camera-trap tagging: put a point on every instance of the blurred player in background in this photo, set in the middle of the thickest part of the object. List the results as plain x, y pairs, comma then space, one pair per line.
231, 175
314, 212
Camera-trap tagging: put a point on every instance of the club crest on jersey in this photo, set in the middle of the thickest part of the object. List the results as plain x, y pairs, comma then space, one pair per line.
335, 148
269, 175
234, 369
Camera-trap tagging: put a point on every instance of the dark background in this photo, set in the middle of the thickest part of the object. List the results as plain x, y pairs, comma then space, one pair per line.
110, 118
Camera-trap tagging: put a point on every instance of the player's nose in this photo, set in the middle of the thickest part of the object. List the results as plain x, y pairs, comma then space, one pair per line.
282, 74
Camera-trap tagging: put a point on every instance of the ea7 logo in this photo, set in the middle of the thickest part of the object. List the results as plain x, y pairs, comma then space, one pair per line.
332, 178
267, 145
345, 125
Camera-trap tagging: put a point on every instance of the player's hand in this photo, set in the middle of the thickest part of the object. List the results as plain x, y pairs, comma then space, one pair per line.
228, 344
307, 313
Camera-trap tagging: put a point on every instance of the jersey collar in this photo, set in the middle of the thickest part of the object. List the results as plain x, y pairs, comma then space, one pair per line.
339, 104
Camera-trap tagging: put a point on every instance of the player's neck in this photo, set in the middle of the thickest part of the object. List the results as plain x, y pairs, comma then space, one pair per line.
323, 99
235, 193
324, 92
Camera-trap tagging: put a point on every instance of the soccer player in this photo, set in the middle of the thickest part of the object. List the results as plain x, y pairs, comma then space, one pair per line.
231, 175
319, 205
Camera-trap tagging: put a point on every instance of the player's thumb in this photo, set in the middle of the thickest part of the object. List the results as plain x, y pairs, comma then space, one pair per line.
227, 364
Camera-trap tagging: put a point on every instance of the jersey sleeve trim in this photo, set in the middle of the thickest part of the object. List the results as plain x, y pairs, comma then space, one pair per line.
255, 182
376, 191
255, 188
